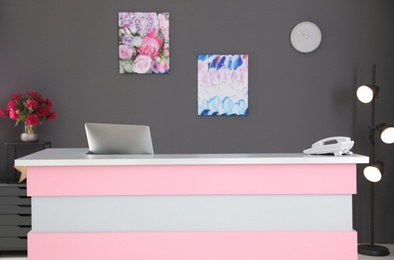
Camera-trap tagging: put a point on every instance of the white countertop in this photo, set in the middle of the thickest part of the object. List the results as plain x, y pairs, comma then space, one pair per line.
79, 157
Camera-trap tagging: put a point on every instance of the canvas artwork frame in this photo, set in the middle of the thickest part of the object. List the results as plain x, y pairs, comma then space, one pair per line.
144, 42
222, 84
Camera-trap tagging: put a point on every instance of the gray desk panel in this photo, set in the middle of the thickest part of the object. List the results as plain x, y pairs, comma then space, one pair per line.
192, 213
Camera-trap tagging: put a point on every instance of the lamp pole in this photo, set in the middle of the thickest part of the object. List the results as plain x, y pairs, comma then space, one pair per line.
372, 140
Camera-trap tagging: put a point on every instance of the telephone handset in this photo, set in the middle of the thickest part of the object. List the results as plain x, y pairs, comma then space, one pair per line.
336, 145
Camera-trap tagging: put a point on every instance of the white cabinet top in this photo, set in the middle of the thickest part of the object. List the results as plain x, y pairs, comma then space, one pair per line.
79, 157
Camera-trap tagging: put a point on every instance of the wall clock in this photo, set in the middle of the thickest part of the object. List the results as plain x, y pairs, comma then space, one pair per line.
305, 37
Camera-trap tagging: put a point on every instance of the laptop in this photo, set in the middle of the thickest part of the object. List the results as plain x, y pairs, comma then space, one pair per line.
118, 139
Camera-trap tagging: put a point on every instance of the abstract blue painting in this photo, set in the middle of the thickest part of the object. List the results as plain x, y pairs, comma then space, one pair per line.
222, 84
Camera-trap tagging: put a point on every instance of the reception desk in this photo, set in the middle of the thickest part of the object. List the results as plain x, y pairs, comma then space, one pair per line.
190, 206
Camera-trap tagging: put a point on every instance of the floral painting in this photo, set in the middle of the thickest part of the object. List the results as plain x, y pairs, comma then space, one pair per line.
222, 85
144, 43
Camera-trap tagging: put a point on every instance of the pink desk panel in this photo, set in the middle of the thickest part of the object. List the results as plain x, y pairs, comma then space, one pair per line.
194, 246
191, 179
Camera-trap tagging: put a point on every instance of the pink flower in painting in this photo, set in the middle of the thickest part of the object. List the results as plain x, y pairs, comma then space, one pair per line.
125, 52
127, 39
150, 47
154, 33
142, 64
166, 52
154, 66
124, 19
163, 66
164, 25
145, 23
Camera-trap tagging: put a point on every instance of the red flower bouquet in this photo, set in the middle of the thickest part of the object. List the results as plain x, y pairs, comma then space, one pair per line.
31, 110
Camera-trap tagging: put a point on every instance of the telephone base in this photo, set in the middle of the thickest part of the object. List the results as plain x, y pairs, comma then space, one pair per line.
373, 250
337, 145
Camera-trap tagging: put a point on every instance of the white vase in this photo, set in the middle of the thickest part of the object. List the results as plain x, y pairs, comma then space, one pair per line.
29, 136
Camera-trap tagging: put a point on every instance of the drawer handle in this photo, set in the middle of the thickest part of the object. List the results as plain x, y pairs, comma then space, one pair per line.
24, 226
24, 206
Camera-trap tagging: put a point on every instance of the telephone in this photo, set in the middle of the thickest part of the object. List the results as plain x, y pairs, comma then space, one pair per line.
336, 145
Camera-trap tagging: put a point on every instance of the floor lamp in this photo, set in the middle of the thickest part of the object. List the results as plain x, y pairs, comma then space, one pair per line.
374, 171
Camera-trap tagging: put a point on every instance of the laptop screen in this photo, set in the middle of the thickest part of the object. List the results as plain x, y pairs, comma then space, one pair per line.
118, 139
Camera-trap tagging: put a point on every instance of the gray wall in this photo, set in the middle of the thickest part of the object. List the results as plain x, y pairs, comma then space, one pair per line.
67, 50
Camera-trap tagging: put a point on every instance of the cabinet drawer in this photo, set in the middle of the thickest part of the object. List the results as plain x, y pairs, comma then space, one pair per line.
15, 200
15, 209
9, 220
14, 231
12, 190
13, 243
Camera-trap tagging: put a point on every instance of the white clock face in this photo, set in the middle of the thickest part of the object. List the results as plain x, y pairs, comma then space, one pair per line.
305, 37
